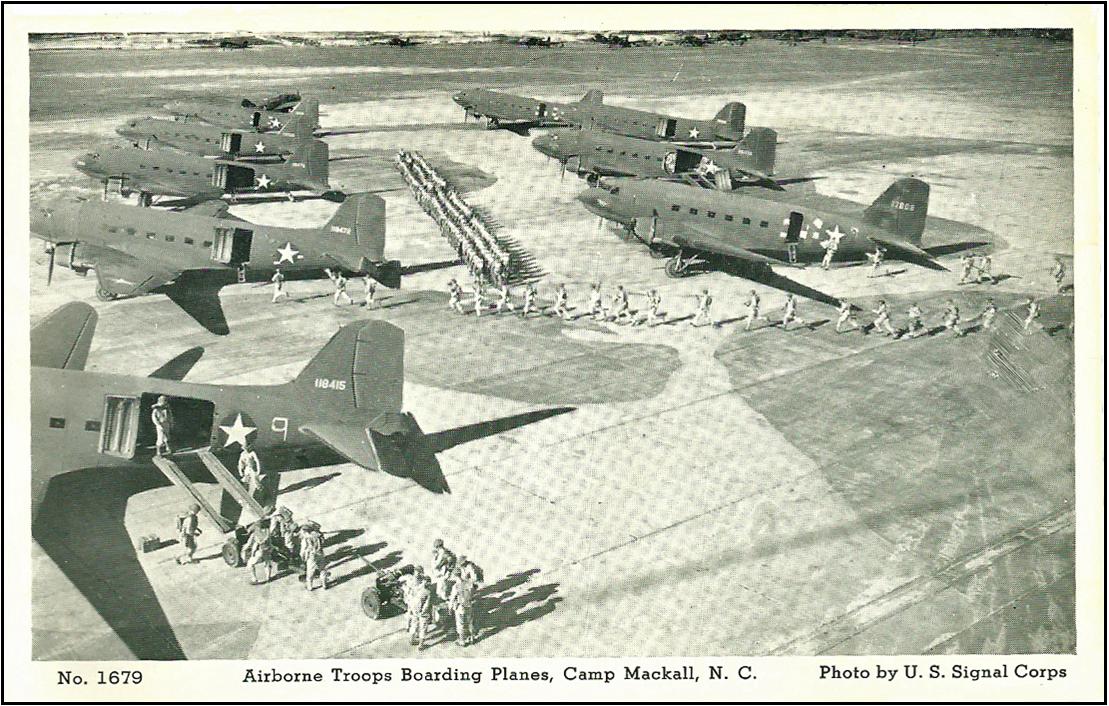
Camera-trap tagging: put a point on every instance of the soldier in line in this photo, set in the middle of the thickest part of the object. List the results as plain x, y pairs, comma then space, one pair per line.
1058, 273
596, 309
831, 245
619, 306
916, 322
529, 301
650, 317
259, 550
340, 283
188, 527
989, 313
704, 301
461, 603
985, 267
561, 298
882, 319
789, 312
312, 552
967, 265
876, 259
278, 280
1033, 313
250, 468
369, 284
846, 317
505, 299
753, 304
455, 302
479, 296
951, 318
162, 416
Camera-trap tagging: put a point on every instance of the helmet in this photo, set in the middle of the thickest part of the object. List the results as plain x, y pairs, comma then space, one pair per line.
195, 507
162, 399
438, 543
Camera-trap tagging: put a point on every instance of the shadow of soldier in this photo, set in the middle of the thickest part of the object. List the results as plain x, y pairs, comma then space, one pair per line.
506, 604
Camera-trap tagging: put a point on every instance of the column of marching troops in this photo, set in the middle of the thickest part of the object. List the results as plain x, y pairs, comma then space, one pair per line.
461, 225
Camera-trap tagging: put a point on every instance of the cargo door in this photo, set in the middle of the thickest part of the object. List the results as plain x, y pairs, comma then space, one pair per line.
231, 142
667, 127
120, 426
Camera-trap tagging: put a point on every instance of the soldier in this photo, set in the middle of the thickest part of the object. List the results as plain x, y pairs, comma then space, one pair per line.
341, 289
455, 302
789, 312
595, 308
469, 571
529, 301
831, 245
753, 303
408, 584
282, 527
916, 323
876, 258
882, 319
951, 318
505, 299
188, 527
278, 280
619, 306
250, 468
967, 266
704, 301
1033, 313
561, 298
369, 284
845, 317
654, 301
259, 550
162, 416
422, 610
989, 313
1058, 272
461, 602
985, 265
479, 294
315, 561
444, 563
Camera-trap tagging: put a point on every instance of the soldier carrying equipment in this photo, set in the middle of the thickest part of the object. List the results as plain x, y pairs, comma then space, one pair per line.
188, 527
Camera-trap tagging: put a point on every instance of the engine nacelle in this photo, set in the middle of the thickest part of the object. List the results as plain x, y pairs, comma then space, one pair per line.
68, 255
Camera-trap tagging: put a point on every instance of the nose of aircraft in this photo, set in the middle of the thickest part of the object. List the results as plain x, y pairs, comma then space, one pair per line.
459, 98
544, 144
41, 218
85, 162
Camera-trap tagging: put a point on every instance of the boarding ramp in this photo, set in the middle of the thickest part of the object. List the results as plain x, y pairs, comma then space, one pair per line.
173, 472
230, 483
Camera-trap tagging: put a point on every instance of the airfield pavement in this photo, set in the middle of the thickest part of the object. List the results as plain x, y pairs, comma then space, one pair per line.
712, 491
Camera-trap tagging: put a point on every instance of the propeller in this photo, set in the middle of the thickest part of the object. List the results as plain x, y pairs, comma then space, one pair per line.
50, 249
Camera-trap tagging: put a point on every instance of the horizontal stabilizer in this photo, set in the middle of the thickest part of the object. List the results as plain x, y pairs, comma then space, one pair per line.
908, 251
63, 338
179, 366
349, 441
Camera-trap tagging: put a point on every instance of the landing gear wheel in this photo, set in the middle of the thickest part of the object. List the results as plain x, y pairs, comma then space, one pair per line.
592, 179
104, 295
676, 268
492, 124
230, 553
371, 602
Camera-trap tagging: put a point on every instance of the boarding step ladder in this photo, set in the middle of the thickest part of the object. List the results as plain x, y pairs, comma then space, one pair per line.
230, 483
173, 472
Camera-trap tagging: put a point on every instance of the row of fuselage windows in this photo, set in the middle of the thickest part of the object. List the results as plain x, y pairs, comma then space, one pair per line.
151, 235
171, 171
59, 423
194, 138
712, 214
623, 153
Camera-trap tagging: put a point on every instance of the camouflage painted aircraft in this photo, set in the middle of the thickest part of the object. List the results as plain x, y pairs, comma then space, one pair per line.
92, 450
761, 227
592, 154
210, 140
168, 172
244, 115
190, 255
521, 112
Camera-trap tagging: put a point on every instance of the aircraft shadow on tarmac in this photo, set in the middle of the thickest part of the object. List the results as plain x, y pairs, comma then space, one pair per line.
308, 483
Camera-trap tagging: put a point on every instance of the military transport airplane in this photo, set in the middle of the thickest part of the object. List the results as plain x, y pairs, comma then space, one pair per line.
244, 116
210, 140
593, 153
522, 112
761, 227
170, 172
189, 255
92, 449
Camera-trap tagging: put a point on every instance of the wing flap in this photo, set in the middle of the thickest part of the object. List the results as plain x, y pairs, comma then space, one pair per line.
700, 239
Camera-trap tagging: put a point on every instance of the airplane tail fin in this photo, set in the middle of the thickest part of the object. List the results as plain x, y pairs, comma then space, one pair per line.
310, 161
760, 146
730, 121
594, 97
303, 120
361, 367
901, 209
358, 227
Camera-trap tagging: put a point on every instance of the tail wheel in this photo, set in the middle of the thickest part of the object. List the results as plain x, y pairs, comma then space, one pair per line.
676, 268
493, 124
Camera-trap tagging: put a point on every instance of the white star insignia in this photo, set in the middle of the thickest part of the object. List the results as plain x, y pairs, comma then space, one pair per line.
263, 181
835, 233
275, 123
237, 432
694, 133
287, 253
260, 147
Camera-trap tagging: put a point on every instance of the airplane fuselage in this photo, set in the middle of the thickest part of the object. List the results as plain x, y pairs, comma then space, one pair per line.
230, 115
209, 140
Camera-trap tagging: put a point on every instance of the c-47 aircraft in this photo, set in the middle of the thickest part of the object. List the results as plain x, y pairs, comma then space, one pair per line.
244, 115
761, 227
92, 450
592, 153
169, 172
210, 140
190, 255
521, 112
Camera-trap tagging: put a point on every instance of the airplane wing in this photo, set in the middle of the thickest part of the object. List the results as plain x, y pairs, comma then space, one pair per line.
127, 276
62, 339
213, 208
700, 239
